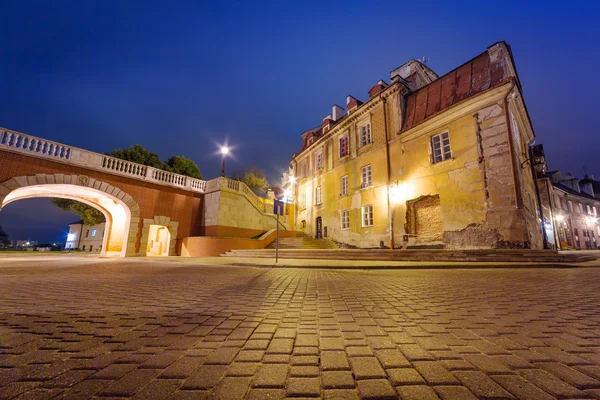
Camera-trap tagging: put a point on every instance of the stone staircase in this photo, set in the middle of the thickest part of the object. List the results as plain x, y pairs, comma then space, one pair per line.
514, 256
303, 241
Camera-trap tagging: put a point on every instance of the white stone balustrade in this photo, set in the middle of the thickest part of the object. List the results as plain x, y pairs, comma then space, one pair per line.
42, 148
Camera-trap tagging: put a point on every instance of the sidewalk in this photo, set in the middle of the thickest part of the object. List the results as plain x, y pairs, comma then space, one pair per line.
359, 264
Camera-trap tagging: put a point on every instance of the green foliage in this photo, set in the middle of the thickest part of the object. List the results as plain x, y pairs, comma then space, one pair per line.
3, 237
88, 214
138, 154
184, 166
253, 178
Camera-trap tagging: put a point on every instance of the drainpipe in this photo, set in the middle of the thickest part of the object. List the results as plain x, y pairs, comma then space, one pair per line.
556, 238
389, 173
79, 238
537, 194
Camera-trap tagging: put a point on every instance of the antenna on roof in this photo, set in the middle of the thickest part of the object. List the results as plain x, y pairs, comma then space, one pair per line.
424, 60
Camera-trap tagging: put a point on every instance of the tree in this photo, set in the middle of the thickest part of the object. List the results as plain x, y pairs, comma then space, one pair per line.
3, 238
184, 166
138, 154
88, 214
255, 179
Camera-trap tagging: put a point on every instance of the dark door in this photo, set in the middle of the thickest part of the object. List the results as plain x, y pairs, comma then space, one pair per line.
319, 234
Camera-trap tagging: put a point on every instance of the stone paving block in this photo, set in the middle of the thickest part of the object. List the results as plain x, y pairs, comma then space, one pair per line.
376, 389
128, 385
405, 376
271, 376
481, 385
205, 377
305, 360
334, 361
182, 368
570, 375
454, 393
340, 394
337, 380
307, 340
157, 389
304, 371
281, 346
414, 352
550, 383
521, 388
391, 358
222, 356
231, 388
265, 394
249, 355
366, 368
487, 364
434, 373
83, 390
417, 393
114, 371
303, 387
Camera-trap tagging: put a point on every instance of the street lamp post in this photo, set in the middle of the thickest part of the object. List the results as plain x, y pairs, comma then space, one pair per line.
224, 152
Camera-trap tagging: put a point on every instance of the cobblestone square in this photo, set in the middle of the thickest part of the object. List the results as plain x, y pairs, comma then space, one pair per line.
78, 328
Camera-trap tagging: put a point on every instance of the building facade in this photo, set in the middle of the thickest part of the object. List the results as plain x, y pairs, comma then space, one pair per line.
570, 208
85, 237
425, 161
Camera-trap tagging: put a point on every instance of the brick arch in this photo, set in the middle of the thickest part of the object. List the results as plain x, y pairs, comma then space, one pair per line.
120, 209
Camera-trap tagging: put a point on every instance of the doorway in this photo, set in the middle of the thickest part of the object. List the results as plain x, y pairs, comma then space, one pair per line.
158, 241
319, 233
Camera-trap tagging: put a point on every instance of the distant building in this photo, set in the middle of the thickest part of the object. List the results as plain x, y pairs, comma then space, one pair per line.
26, 243
570, 207
85, 237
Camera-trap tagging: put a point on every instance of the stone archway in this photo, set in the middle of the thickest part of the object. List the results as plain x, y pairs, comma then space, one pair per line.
122, 213
148, 230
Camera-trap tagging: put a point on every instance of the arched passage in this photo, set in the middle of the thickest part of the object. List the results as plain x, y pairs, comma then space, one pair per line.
119, 209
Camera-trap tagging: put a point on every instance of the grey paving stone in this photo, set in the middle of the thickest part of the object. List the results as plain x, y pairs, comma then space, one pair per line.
376, 389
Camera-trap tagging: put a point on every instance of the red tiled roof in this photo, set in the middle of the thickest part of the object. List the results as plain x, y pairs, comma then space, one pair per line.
488, 70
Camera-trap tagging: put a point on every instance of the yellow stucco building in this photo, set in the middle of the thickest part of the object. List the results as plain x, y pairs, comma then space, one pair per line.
436, 161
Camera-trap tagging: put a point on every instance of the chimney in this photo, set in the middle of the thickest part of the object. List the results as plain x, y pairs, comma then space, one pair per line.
326, 124
352, 104
337, 112
379, 86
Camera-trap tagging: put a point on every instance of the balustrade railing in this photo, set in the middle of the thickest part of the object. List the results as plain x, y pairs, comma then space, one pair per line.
35, 145
20, 142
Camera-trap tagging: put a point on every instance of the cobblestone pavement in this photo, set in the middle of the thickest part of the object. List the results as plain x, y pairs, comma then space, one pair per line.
78, 328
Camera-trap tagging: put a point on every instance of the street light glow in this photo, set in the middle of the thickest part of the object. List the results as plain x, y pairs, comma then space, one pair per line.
292, 179
224, 150
287, 193
559, 218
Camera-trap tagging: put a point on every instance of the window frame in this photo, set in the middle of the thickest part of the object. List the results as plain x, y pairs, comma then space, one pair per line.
93, 233
367, 210
347, 146
363, 184
345, 220
319, 160
367, 134
444, 156
344, 186
318, 196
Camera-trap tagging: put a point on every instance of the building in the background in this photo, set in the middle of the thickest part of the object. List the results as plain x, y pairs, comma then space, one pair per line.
85, 237
425, 161
570, 207
26, 243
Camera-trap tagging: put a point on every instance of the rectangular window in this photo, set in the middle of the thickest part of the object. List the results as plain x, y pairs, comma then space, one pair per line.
344, 185
564, 204
304, 170
93, 233
570, 206
344, 146
302, 201
345, 219
87, 233
588, 209
318, 195
580, 208
319, 160
556, 201
440, 145
367, 215
595, 211
365, 134
366, 177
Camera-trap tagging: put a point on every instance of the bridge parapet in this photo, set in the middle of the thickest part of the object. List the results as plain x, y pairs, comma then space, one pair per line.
36, 147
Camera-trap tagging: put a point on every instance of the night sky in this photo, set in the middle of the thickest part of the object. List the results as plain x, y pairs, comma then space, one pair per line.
181, 77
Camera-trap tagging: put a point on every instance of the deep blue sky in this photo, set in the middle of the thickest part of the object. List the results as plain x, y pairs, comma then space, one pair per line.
179, 77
